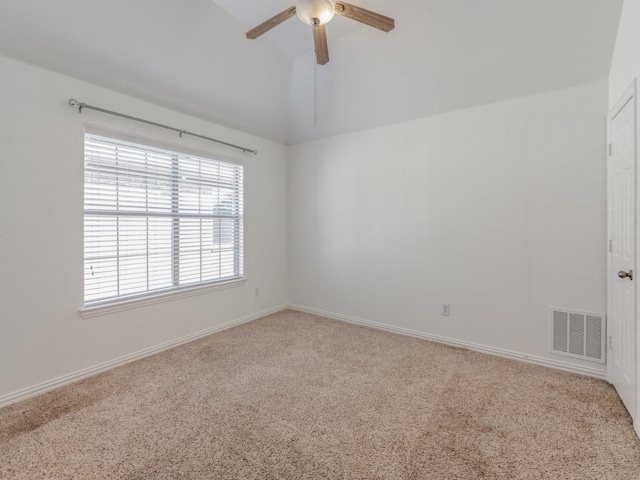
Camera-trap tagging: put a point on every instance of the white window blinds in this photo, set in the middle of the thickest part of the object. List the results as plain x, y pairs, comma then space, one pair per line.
157, 220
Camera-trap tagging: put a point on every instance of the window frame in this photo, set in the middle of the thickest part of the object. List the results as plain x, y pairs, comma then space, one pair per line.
125, 302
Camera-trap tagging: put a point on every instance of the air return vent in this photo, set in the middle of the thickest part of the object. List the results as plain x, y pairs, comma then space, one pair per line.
578, 334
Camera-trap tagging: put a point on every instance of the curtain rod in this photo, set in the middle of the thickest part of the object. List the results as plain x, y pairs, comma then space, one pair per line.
80, 105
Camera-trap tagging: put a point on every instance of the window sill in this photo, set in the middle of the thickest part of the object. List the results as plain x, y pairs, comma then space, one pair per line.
118, 306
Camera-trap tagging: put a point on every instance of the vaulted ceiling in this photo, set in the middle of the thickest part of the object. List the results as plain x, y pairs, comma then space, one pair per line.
192, 56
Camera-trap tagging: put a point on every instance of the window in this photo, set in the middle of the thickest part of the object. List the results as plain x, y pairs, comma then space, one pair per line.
156, 220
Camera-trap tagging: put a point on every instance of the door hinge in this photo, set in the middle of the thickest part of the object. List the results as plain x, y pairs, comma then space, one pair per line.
610, 246
610, 149
610, 342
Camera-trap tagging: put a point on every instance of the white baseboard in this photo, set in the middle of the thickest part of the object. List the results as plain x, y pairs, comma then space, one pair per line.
546, 362
43, 387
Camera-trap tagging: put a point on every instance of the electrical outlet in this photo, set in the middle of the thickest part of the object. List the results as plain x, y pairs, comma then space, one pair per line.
257, 292
446, 310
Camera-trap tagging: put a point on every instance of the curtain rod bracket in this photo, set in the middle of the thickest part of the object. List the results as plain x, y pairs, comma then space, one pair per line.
80, 105
76, 104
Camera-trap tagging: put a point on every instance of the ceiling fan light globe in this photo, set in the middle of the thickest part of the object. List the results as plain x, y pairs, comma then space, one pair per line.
308, 10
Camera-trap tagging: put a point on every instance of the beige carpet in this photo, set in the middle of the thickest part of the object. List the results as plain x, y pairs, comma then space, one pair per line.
294, 396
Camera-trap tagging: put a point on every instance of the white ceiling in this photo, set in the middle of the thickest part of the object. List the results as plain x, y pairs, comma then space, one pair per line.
447, 55
192, 56
189, 55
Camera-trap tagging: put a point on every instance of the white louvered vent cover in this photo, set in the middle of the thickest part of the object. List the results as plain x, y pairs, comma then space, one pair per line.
578, 334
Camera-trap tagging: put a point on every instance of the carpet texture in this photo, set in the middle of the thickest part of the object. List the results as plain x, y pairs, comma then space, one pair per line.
296, 396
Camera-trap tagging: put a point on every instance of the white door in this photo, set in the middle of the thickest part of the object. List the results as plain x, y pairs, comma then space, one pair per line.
622, 258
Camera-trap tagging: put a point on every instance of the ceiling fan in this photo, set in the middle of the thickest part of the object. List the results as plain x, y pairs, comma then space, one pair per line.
317, 13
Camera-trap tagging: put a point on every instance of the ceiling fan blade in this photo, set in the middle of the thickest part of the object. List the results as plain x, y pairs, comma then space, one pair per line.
320, 40
365, 16
271, 23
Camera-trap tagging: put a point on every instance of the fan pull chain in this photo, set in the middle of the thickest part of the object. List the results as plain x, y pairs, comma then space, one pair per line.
315, 92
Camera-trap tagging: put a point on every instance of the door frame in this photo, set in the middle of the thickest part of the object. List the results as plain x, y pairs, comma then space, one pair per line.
630, 95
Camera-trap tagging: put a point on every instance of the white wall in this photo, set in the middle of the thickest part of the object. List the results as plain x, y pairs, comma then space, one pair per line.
625, 65
498, 210
42, 335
